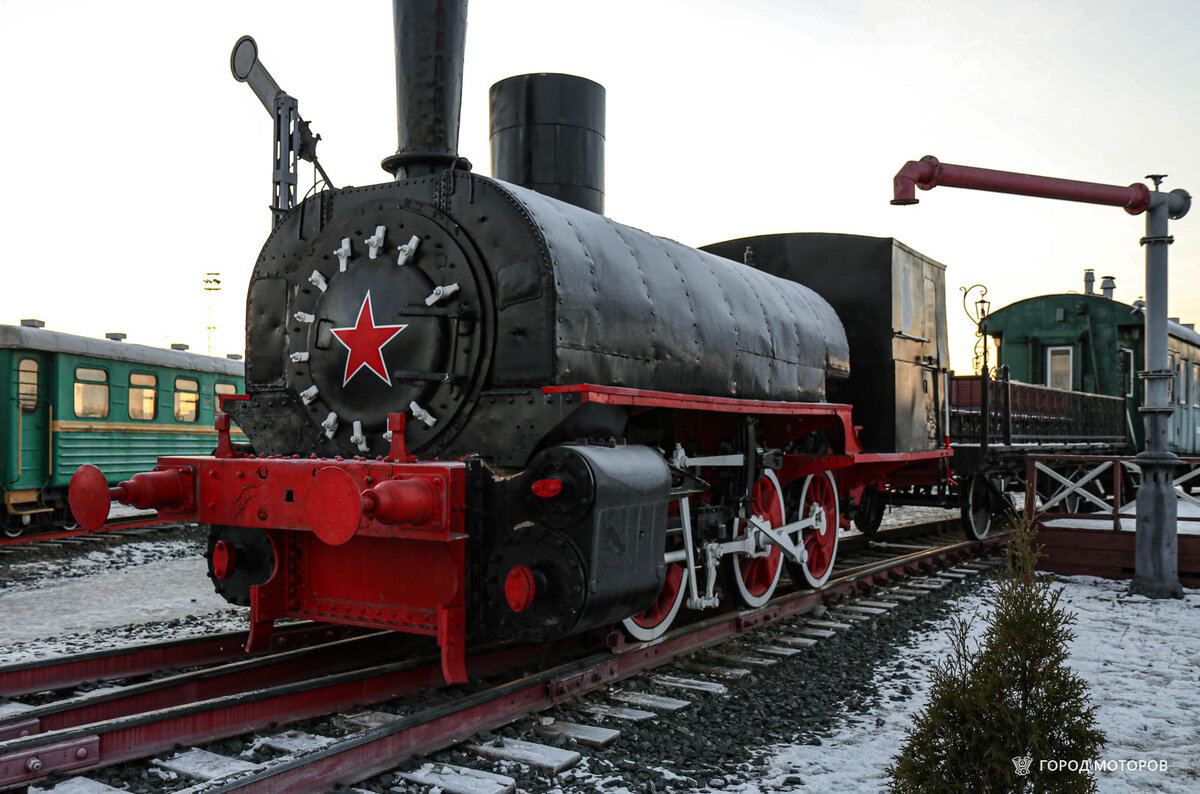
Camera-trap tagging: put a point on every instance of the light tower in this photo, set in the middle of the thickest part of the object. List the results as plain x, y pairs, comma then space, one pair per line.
212, 285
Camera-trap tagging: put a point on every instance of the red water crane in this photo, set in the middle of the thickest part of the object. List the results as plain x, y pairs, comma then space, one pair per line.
1156, 558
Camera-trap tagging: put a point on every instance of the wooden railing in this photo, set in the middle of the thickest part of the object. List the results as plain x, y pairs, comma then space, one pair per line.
1097, 487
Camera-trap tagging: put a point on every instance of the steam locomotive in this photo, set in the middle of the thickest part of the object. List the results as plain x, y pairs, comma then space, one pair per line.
479, 406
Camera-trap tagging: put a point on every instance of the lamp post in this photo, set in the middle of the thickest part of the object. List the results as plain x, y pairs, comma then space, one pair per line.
982, 307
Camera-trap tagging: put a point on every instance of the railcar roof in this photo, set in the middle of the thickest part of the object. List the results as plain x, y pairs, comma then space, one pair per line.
1177, 330
13, 337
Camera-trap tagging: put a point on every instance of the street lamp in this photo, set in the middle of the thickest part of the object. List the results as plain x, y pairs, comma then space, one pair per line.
982, 307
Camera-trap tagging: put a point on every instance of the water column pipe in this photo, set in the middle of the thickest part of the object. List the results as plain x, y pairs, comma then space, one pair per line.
1156, 572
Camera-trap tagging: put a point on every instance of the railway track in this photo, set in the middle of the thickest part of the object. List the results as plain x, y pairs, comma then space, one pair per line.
215, 692
78, 535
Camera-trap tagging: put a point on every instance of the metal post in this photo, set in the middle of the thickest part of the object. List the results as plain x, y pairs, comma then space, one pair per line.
293, 138
283, 172
985, 421
1156, 571
1007, 405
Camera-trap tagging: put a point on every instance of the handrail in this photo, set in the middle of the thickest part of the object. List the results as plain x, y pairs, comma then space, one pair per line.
1022, 412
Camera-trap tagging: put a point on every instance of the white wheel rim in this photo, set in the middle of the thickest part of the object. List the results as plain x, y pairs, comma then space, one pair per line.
971, 511
646, 634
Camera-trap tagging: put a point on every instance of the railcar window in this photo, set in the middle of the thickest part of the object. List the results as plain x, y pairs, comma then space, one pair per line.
143, 396
222, 388
1058, 367
27, 385
91, 393
1127, 370
187, 400
1172, 383
1181, 377
1196, 384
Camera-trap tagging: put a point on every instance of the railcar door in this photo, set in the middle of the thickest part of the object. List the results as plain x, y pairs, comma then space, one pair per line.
29, 416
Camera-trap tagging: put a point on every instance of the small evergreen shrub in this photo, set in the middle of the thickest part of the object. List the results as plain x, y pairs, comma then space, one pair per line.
1006, 699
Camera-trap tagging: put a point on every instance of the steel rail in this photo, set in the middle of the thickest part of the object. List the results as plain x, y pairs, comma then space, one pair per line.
99, 744
115, 526
377, 750
44, 675
135, 736
299, 663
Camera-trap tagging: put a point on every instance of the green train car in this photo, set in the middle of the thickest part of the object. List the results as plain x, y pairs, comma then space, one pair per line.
70, 400
1089, 342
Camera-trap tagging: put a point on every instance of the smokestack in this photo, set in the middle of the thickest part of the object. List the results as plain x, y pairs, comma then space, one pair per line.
1107, 285
430, 39
1089, 281
547, 134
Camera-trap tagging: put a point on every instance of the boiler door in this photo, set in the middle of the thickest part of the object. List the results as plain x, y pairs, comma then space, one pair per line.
403, 332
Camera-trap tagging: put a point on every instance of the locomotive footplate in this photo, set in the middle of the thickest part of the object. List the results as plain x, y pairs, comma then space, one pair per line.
328, 522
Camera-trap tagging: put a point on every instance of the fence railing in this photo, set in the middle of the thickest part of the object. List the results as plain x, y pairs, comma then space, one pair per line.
1057, 486
986, 411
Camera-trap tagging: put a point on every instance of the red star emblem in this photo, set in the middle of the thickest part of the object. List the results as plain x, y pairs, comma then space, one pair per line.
365, 341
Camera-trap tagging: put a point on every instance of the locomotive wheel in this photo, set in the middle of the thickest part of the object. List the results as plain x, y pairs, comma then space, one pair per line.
820, 542
754, 579
870, 512
238, 559
13, 531
654, 622
978, 507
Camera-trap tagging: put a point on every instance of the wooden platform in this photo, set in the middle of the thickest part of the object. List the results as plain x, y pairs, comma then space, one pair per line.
1108, 554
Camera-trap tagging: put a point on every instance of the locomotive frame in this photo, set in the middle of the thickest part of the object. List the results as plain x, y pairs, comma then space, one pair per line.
331, 522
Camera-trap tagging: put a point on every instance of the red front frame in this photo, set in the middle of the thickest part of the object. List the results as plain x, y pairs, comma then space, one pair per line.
410, 578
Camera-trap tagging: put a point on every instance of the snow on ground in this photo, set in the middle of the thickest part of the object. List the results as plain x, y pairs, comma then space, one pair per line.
155, 591
1189, 508
43, 572
1141, 658
138, 592
896, 516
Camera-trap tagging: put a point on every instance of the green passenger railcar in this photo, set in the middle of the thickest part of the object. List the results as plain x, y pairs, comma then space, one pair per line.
1091, 343
70, 400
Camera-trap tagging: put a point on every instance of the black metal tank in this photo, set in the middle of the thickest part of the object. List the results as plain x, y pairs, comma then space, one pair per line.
536, 292
455, 298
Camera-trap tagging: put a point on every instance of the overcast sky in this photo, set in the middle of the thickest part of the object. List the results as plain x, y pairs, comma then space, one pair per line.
135, 163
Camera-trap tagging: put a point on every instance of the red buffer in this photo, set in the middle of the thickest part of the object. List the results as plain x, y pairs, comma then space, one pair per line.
329, 523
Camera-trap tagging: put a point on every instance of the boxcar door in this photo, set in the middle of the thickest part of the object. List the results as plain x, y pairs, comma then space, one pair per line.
31, 416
